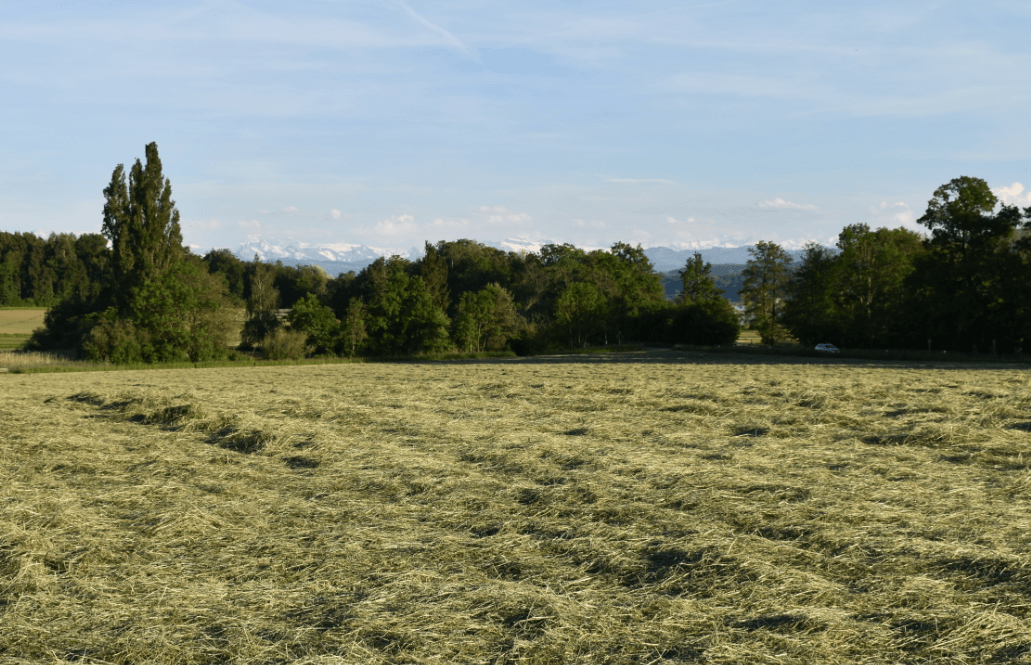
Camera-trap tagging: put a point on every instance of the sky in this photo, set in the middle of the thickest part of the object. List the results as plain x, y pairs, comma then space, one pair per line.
391, 122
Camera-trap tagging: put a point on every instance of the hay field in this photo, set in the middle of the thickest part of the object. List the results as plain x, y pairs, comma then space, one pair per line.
16, 325
21, 321
647, 508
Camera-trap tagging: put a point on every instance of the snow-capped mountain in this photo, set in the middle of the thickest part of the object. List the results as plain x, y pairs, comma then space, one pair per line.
331, 256
519, 244
336, 258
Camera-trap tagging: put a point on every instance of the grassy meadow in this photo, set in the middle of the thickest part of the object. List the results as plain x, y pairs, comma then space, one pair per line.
651, 507
16, 324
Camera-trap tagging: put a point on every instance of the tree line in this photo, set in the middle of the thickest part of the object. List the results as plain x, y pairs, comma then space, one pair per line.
964, 287
146, 297
134, 292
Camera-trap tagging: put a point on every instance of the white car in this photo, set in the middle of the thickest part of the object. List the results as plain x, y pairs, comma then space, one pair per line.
827, 348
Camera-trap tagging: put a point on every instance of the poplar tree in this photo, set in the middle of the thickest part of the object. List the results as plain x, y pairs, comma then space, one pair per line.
142, 223
158, 305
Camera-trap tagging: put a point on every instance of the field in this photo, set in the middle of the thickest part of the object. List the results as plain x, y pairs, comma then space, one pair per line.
658, 507
17, 324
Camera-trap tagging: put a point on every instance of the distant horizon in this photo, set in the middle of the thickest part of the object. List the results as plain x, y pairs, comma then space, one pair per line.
336, 255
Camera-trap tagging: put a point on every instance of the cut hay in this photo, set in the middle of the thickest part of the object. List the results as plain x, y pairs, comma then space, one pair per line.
631, 508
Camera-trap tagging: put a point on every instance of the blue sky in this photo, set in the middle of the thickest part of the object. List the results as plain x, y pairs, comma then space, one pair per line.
391, 122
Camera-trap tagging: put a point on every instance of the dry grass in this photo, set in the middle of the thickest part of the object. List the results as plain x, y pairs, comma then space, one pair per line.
616, 509
15, 360
21, 321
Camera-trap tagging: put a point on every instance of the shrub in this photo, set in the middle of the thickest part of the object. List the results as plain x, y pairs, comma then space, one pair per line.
705, 323
116, 340
285, 345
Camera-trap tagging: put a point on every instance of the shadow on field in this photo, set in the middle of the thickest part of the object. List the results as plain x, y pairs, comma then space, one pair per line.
668, 356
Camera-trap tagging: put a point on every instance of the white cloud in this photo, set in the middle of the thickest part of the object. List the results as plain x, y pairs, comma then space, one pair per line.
641, 181
334, 213
1013, 195
502, 215
673, 220
897, 213
250, 225
392, 226
593, 224
781, 204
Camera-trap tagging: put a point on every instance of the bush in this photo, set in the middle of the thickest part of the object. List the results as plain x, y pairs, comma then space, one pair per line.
706, 323
285, 345
115, 340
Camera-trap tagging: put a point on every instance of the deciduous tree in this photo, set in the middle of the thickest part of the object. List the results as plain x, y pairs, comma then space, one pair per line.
765, 286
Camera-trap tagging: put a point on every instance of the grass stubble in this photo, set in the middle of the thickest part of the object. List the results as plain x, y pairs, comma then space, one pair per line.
628, 508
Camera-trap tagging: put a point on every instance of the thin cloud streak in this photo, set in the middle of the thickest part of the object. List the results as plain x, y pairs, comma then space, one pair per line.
422, 20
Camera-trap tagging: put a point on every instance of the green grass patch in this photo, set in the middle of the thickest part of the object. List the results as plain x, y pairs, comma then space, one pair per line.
10, 341
610, 348
241, 360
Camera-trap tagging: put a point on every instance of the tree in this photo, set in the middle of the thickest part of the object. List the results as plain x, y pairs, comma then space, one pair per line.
698, 285
402, 317
157, 304
312, 279
352, 329
867, 282
765, 285
579, 308
142, 223
971, 284
809, 313
262, 303
182, 311
960, 214
316, 320
232, 269
434, 273
486, 319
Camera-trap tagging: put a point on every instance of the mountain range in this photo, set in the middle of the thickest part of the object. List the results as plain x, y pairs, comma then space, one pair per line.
338, 258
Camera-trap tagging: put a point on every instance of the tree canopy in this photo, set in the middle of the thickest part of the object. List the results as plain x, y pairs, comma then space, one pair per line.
154, 304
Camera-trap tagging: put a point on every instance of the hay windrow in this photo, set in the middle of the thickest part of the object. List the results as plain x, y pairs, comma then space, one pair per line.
648, 509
